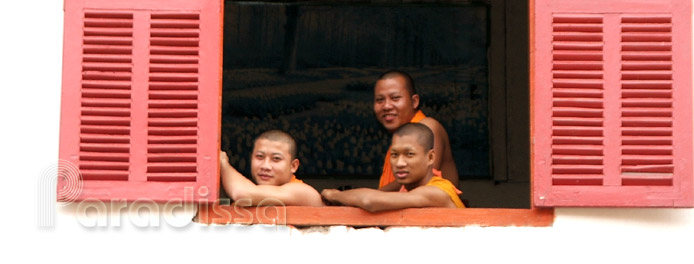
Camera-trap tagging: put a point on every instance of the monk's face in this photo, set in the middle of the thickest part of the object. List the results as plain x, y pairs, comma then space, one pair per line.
409, 160
393, 104
271, 163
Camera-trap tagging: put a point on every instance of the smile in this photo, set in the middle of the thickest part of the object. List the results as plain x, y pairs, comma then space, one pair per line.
401, 174
264, 177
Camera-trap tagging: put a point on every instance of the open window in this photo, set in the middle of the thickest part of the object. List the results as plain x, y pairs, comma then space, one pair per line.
309, 67
610, 104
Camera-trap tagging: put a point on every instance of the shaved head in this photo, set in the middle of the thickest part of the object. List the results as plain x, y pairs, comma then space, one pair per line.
409, 83
425, 137
279, 136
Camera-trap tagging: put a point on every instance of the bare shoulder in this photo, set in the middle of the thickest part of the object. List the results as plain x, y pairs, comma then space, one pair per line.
298, 187
435, 127
433, 124
303, 192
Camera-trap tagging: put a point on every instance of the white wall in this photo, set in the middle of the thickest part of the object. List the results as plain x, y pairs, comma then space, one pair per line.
31, 47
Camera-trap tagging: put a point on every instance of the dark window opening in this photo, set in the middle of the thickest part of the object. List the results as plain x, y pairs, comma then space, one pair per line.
308, 68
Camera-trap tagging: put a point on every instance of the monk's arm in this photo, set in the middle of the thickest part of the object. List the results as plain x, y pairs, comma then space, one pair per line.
442, 146
243, 190
374, 200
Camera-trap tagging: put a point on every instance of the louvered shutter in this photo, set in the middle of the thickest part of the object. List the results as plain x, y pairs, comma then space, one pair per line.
611, 103
141, 94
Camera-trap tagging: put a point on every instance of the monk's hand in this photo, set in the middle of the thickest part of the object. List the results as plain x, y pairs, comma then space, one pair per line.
328, 196
223, 158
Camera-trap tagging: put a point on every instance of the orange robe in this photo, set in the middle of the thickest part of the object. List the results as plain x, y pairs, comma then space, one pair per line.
446, 186
295, 180
387, 175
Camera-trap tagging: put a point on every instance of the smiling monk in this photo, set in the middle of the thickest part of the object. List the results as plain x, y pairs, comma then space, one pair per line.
273, 164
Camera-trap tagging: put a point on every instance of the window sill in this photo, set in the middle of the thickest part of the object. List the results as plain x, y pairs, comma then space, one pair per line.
351, 216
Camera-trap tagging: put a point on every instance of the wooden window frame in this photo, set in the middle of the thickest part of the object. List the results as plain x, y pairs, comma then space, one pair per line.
320, 216
214, 213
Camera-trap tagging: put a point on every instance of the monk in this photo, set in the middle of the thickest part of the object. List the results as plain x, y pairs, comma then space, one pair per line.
273, 164
412, 158
396, 103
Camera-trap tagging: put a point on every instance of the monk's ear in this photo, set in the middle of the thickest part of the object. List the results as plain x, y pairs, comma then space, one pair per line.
415, 101
431, 156
294, 165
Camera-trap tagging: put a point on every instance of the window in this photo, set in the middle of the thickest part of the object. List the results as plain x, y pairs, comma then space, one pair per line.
131, 141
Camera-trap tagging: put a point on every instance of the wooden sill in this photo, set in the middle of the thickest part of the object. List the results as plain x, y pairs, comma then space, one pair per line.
351, 216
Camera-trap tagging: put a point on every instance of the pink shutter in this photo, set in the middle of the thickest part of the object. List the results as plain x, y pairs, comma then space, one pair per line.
612, 103
141, 98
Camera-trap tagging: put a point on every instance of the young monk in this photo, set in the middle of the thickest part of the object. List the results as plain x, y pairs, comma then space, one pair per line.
411, 158
273, 164
396, 103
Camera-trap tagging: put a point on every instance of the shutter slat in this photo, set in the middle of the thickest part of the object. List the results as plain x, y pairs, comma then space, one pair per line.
574, 92
577, 36
590, 150
647, 56
575, 112
578, 102
646, 46
107, 58
643, 37
165, 32
105, 111
583, 46
182, 68
114, 32
664, 149
104, 175
559, 140
639, 139
559, 74
646, 112
646, 27
173, 95
577, 131
87, 138
654, 76
105, 147
173, 86
573, 121
582, 180
98, 156
175, 59
171, 157
106, 67
108, 40
153, 113
173, 122
172, 177
577, 159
